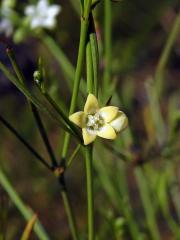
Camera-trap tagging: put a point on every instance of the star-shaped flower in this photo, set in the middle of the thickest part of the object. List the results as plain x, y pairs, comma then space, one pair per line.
42, 14
104, 122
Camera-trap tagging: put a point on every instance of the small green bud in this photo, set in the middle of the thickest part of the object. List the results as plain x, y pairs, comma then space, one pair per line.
37, 77
19, 35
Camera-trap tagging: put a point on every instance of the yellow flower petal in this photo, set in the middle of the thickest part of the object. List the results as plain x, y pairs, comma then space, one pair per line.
91, 105
108, 113
78, 118
120, 122
107, 132
87, 137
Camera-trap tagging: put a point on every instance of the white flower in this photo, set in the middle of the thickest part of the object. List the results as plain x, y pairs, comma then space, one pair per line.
42, 14
104, 122
6, 27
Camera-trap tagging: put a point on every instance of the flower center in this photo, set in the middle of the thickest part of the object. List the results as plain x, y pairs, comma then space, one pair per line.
94, 121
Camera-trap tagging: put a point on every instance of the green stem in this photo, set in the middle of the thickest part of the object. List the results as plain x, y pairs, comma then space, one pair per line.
89, 68
62, 59
81, 53
78, 72
63, 115
165, 54
107, 46
35, 112
24, 210
83, 35
32, 98
70, 215
118, 195
46, 141
26, 144
44, 135
147, 204
16, 67
73, 155
90, 197
94, 53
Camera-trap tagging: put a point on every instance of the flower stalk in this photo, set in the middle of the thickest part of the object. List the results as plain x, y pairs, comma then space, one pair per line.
78, 71
107, 46
90, 192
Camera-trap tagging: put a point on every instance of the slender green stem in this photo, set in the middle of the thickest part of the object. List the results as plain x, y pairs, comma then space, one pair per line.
32, 98
147, 204
22, 207
81, 53
95, 60
83, 36
63, 115
90, 196
64, 63
46, 141
87, 8
35, 112
165, 55
92, 59
30, 148
89, 68
16, 67
44, 135
70, 215
73, 155
107, 45
118, 195
78, 72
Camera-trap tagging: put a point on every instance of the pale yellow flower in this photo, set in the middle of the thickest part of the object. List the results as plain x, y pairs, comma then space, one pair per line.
104, 122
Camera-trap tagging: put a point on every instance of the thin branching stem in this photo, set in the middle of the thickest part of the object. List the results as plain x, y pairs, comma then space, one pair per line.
73, 155
35, 112
44, 135
64, 193
30, 148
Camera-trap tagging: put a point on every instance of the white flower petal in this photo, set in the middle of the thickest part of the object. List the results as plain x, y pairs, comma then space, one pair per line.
91, 105
43, 14
120, 122
107, 132
42, 5
36, 22
87, 136
54, 10
29, 10
108, 113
